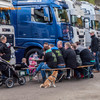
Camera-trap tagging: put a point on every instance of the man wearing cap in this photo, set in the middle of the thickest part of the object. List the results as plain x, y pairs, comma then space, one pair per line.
94, 48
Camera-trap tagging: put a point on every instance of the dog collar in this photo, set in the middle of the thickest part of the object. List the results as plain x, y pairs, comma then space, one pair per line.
53, 76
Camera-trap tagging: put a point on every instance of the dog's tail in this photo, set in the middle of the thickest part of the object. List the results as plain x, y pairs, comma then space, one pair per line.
42, 86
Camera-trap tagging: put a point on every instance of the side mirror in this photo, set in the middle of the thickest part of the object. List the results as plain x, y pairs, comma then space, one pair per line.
46, 14
87, 24
32, 11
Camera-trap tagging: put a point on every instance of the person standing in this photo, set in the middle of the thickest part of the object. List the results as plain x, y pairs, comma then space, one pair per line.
94, 48
5, 51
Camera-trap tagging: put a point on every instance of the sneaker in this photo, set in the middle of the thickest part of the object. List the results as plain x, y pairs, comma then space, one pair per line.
68, 78
34, 74
91, 76
35, 78
95, 71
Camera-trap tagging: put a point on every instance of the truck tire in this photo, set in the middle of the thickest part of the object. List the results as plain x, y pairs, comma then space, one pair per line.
31, 52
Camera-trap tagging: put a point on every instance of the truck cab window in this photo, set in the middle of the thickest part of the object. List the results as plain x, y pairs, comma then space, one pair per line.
38, 15
61, 15
4, 17
77, 21
95, 24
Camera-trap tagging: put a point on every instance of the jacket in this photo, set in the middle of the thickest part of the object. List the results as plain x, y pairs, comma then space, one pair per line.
94, 43
70, 58
62, 50
85, 54
50, 59
5, 51
60, 59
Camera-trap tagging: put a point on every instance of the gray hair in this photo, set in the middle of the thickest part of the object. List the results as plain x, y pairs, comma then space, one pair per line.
2, 38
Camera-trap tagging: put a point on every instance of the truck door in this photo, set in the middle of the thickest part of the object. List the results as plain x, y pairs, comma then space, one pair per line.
43, 27
23, 22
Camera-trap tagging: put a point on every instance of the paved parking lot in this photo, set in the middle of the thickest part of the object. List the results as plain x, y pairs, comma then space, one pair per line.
85, 89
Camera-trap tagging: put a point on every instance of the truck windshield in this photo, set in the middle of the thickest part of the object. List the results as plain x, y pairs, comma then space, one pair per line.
4, 17
95, 25
61, 15
77, 21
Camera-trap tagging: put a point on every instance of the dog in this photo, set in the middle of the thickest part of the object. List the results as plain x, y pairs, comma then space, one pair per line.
50, 80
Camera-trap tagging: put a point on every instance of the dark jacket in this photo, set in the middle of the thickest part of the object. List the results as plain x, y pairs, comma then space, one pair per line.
86, 56
94, 43
23, 65
62, 50
50, 59
70, 58
5, 51
3, 66
41, 54
60, 59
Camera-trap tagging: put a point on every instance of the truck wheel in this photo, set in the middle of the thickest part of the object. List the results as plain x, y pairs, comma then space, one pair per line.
30, 53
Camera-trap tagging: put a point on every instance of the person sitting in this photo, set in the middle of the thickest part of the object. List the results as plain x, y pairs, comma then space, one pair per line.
86, 56
24, 65
70, 59
32, 64
61, 48
79, 61
41, 55
60, 60
49, 62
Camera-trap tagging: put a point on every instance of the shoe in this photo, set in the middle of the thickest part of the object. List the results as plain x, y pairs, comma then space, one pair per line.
34, 74
35, 78
68, 78
91, 76
78, 77
95, 71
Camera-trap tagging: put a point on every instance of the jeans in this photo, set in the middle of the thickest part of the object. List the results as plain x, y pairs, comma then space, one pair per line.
91, 67
60, 72
97, 61
42, 66
75, 70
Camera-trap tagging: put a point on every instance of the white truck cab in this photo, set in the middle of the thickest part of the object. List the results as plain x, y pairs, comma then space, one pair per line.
92, 20
5, 22
76, 17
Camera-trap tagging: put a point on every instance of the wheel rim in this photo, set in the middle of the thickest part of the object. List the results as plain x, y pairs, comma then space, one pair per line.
31, 55
22, 81
1, 82
9, 83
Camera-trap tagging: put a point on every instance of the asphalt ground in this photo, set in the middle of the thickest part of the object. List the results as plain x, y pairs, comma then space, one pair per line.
83, 89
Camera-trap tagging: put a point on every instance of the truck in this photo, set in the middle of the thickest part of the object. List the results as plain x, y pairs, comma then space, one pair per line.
6, 28
37, 22
92, 20
76, 19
